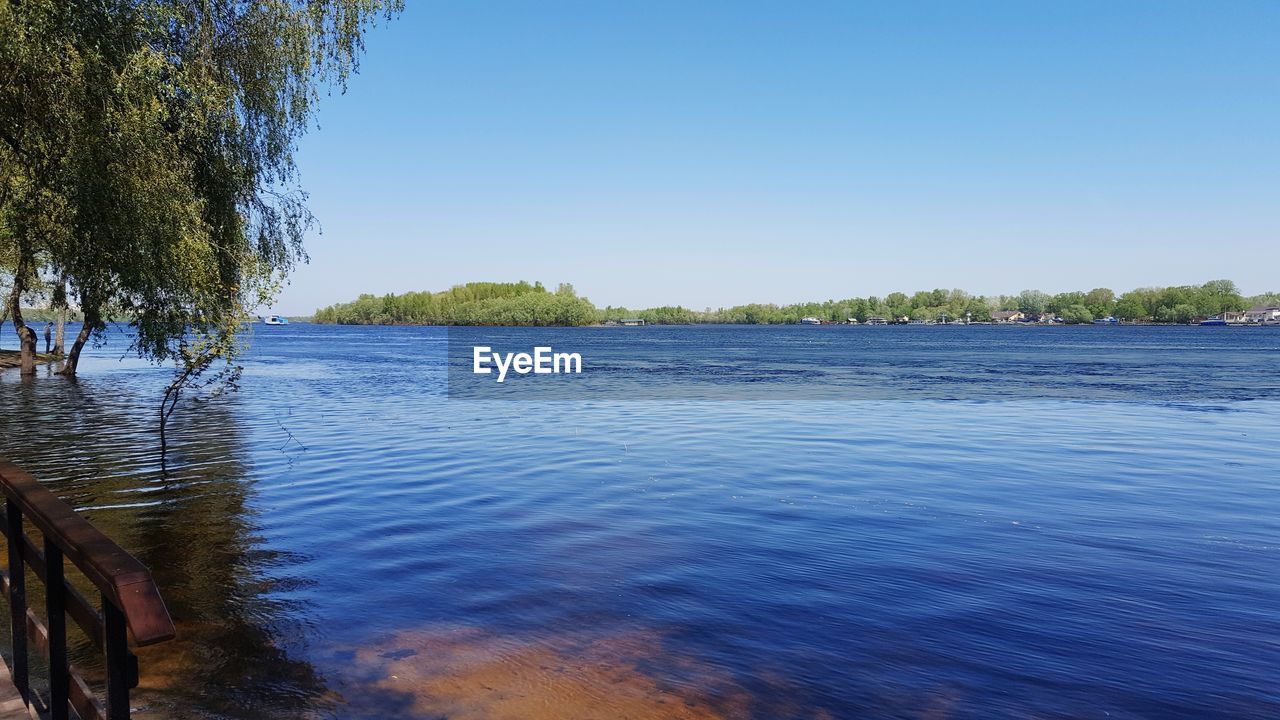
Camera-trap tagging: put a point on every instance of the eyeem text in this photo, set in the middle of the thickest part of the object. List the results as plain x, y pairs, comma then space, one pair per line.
542, 362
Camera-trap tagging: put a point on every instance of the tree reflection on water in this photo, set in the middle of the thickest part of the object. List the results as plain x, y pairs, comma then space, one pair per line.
188, 519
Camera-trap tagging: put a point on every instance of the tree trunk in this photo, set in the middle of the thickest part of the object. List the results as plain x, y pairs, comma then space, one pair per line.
26, 336
59, 338
73, 357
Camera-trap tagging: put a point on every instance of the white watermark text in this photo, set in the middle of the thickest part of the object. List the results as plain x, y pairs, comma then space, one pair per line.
543, 361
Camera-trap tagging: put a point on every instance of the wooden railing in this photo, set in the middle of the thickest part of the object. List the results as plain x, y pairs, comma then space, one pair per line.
131, 603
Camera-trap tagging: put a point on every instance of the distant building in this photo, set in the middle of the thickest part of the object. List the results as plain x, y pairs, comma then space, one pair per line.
1226, 318
810, 321
877, 320
631, 322
1007, 316
1267, 314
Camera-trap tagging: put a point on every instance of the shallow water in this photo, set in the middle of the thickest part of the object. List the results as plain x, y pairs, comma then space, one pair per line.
1035, 522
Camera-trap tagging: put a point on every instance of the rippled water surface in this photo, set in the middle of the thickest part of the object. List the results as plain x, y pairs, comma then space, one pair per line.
341, 539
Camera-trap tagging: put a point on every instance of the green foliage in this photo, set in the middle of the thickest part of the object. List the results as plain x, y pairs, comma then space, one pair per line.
525, 304
1101, 302
928, 305
1032, 302
1180, 313
146, 154
1062, 301
43, 315
955, 305
1180, 304
1076, 314
471, 304
1265, 299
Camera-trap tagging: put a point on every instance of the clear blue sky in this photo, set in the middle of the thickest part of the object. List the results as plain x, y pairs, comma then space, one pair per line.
714, 153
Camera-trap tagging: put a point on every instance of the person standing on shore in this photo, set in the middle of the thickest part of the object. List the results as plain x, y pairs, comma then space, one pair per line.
48, 338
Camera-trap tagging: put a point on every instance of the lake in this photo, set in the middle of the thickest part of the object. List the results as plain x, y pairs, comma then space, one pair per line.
716, 522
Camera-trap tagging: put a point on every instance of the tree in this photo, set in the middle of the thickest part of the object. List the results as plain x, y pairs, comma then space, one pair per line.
146, 154
1101, 302
1076, 315
1032, 302
471, 304
1181, 313
897, 304
1265, 299
1062, 301
1134, 305
1219, 296
38, 81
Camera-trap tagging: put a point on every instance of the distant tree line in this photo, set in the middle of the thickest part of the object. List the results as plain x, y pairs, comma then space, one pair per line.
525, 304
1161, 305
482, 303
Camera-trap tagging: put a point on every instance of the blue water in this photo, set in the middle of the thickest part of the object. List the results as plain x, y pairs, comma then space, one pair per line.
341, 539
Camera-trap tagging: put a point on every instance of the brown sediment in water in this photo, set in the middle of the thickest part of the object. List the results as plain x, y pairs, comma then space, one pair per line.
459, 674
228, 670
469, 674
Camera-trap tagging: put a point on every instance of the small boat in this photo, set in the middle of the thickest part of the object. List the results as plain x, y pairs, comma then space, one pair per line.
1214, 321
276, 320
1108, 320
810, 321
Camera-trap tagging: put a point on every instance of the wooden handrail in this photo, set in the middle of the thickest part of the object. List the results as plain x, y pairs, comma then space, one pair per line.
117, 574
131, 602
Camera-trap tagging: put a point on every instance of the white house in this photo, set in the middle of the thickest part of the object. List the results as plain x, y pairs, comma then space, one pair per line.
1266, 314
